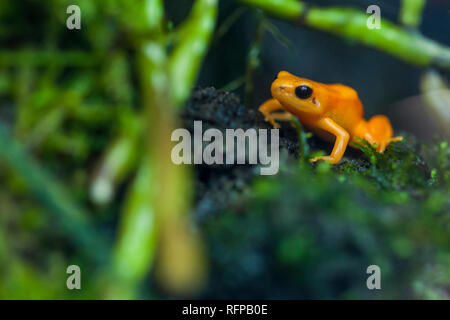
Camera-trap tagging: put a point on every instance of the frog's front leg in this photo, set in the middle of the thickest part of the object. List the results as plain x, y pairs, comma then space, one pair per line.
342, 137
268, 109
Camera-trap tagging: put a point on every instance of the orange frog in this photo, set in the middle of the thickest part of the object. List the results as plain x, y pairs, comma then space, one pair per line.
328, 110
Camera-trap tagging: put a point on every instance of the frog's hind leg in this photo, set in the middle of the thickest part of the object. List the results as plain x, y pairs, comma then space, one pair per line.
269, 110
380, 130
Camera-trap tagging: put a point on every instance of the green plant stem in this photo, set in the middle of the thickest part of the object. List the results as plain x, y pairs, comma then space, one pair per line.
135, 247
351, 23
152, 213
411, 12
185, 61
119, 160
287, 9
181, 265
228, 23
253, 58
303, 147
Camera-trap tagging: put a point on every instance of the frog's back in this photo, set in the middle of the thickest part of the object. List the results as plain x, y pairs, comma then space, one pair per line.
345, 106
343, 91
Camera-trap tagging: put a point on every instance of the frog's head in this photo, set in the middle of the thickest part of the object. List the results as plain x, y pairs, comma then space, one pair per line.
299, 94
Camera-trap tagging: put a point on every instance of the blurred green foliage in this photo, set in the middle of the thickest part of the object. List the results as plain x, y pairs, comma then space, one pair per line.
65, 95
78, 108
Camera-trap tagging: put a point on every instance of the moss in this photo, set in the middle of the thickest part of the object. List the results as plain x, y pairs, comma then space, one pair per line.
309, 234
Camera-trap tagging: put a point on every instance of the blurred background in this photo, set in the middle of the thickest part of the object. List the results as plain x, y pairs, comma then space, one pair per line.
86, 177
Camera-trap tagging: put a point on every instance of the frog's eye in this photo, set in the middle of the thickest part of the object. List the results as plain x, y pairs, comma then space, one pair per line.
303, 92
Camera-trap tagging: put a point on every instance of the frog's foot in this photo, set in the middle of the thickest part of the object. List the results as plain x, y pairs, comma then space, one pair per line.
340, 144
330, 159
280, 116
269, 110
379, 129
382, 146
272, 121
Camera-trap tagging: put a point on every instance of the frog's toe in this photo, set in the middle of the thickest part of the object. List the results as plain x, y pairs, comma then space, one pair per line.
381, 147
272, 121
398, 138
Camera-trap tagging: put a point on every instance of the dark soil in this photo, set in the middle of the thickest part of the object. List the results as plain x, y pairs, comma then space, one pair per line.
218, 185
